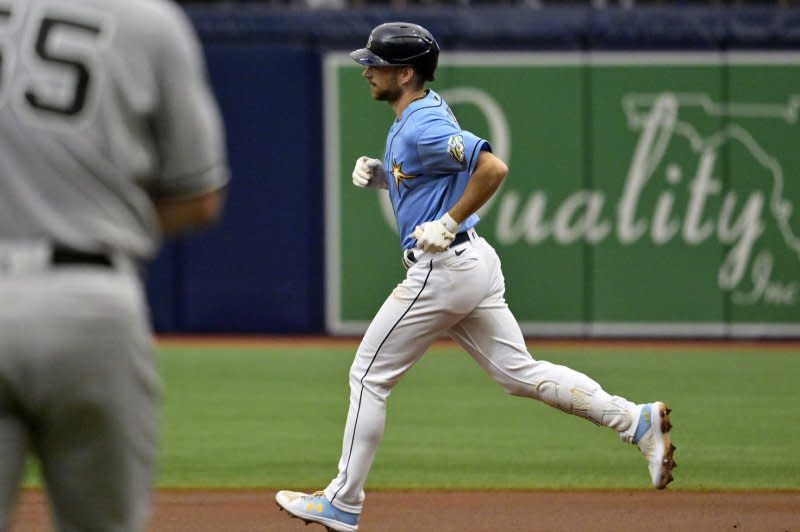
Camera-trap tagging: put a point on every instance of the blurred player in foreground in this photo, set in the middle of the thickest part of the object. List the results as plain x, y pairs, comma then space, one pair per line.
111, 138
437, 176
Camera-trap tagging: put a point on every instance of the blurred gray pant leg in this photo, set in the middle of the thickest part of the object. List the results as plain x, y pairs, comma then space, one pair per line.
13, 445
93, 396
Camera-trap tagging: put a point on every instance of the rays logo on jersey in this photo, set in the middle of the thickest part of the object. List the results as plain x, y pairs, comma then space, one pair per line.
399, 176
455, 147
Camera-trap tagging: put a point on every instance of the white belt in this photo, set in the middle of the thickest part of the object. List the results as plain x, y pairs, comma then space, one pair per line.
26, 257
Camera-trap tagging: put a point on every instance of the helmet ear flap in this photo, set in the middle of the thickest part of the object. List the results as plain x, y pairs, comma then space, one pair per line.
427, 66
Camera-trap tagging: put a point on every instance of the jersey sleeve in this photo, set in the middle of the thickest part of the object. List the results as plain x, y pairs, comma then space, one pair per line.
444, 149
188, 126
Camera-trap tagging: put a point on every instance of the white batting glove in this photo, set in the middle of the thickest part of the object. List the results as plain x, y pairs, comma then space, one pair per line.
369, 173
436, 236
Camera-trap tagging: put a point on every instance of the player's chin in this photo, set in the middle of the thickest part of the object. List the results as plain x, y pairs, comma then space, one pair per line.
384, 95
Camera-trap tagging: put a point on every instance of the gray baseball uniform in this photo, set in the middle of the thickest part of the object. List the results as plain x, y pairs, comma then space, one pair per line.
104, 105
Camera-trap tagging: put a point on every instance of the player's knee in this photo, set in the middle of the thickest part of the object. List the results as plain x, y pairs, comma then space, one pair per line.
517, 388
379, 389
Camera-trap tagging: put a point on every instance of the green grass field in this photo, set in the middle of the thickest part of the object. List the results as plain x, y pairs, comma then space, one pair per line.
272, 415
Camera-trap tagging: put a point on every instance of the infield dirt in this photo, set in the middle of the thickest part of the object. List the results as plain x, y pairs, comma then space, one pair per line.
199, 510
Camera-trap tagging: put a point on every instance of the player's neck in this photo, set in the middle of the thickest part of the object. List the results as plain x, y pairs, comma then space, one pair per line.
407, 99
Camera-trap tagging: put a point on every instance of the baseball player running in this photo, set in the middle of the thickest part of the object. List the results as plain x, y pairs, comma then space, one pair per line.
437, 176
110, 138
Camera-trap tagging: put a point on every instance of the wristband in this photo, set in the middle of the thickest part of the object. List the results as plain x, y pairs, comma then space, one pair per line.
449, 224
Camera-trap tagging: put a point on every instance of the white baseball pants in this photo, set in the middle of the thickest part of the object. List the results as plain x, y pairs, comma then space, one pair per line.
459, 292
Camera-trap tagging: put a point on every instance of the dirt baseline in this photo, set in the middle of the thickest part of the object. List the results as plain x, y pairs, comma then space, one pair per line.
200, 510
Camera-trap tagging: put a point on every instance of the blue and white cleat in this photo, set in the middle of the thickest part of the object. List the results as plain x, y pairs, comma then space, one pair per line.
652, 438
315, 508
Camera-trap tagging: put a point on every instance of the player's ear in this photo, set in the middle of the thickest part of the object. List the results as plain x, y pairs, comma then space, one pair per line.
406, 76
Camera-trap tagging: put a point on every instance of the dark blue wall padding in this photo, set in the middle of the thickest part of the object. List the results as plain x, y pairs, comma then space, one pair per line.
674, 27
261, 270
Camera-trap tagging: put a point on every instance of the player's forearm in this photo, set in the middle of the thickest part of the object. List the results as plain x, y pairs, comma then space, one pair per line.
484, 182
182, 216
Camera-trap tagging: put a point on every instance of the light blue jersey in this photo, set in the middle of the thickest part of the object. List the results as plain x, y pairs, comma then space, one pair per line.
428, 162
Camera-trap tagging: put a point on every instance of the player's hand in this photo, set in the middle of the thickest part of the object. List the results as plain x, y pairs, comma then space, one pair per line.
369, 173
436, 236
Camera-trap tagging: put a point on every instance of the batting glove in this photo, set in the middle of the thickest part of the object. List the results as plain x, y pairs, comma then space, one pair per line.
436, 236
369, 173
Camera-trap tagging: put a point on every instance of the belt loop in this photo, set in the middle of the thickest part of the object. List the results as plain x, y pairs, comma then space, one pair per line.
472, 234
409, 259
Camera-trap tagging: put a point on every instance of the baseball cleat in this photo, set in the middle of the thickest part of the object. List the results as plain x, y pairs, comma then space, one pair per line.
315, 508
652, 438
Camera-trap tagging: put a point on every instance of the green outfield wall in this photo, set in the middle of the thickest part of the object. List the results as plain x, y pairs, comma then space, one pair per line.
648, 193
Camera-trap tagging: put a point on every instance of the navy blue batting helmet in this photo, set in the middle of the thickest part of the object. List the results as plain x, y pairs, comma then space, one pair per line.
400, 44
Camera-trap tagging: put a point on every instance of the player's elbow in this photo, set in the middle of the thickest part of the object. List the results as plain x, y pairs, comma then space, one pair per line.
500, 172
186, 215
202, 211
493, 170
496, 173
209, 210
